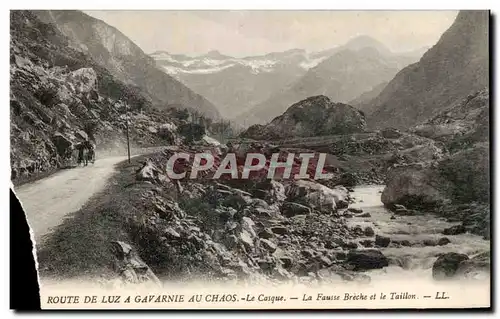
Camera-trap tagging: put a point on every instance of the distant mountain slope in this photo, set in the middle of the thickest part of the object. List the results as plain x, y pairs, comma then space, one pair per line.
125, 60
236, 84
342, 77
368, 95
455, 67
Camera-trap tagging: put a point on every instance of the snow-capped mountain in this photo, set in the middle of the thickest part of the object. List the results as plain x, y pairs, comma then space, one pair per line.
214, 61
237, 85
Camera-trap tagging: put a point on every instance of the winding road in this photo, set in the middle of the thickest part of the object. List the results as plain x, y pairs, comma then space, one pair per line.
48, 201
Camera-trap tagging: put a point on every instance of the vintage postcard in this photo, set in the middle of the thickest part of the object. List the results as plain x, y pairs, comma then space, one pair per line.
253, 159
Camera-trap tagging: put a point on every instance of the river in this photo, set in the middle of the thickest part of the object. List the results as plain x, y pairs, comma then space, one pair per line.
418, 259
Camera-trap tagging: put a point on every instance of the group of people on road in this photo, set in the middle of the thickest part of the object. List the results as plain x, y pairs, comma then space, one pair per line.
82, 152
86, 153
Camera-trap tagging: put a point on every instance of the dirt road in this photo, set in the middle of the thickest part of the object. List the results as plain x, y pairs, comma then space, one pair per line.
48, 201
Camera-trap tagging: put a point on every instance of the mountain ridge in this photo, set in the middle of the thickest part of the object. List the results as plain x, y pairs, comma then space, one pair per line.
456, 66
342, 77
237, 85
125, 60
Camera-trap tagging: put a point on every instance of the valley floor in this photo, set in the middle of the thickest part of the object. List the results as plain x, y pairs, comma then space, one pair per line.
363, 243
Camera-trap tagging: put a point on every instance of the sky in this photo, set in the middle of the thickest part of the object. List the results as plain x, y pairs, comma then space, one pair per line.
246, 33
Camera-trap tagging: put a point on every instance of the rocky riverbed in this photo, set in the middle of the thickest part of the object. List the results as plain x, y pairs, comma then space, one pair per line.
416, 242
302, 232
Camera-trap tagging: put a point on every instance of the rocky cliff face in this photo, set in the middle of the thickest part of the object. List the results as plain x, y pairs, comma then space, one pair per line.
125, 60
60, 96
455, 67
314, 116
461, 124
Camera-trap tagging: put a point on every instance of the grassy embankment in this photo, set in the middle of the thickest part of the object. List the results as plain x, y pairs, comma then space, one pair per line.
81, 245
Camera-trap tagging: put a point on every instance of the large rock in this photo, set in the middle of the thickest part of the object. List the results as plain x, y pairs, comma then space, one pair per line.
290, 209
455, 230
318, 196
367, 259
415, 186
447, 265
390, 133
382, 241
149, 172
314, 116
84, 80
276, 192
61, 142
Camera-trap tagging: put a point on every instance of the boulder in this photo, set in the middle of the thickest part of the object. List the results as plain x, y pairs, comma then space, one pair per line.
314, 116
446, 265
268, 245
415, 186
390, 133
429, 242
455, 230
351, 245
149, 172
266, 234
355, 210
280, 230
318, 196
367, 259
443, 241
287, 262
357, 231
382, 241
369, 231
290, 209
131, 267
307, 253
248, 224
84, 80
61, 142
246, 238
276, 193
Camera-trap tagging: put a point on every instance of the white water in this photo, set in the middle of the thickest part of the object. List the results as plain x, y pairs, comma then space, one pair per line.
418, 259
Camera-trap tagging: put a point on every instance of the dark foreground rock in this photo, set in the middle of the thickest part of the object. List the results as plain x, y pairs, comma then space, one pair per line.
367, 259
454, 230
382, 241
446, 266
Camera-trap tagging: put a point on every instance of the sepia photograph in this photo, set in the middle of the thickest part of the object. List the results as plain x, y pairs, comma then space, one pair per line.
253, 159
